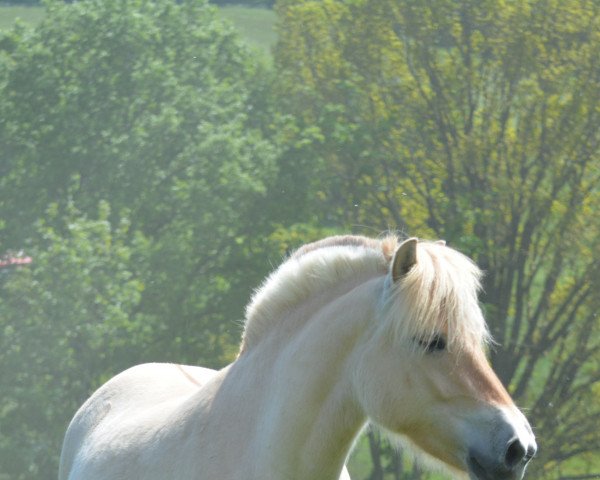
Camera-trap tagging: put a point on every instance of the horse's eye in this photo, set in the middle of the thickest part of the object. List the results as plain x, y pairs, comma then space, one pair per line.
437, 343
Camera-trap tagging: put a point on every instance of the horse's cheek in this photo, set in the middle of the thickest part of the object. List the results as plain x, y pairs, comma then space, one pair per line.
379, 385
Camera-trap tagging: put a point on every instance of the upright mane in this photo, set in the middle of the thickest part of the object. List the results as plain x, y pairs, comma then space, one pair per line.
312, 269
438, 294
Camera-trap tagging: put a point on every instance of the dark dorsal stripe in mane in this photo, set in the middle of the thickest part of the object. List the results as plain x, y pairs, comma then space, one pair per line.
337, 241
387, 245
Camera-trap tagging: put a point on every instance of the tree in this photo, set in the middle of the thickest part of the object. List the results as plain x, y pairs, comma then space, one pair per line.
475, 122
122, 94
155, 111
155, 107
67, 323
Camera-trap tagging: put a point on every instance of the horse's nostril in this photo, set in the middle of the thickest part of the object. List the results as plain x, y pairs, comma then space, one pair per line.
531, 451
515, 454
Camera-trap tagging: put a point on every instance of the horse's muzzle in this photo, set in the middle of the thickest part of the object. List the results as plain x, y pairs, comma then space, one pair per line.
509, 466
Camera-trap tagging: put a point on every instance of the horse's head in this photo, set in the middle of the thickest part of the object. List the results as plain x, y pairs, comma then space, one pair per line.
423, 373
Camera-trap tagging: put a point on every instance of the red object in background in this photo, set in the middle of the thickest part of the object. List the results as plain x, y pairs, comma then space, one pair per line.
8, 261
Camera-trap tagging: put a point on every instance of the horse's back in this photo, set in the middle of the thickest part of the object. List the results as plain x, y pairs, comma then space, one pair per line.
126, 414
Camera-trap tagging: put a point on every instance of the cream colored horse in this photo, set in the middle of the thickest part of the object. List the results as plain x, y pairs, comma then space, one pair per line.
348, 330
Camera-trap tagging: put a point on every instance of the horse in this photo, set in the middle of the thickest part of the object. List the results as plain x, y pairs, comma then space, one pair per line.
348, 331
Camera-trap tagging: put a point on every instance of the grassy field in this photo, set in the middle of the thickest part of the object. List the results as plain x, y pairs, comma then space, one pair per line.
29, 15
256, 25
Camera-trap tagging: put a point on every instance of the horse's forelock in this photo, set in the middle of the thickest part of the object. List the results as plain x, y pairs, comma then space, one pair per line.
438, 296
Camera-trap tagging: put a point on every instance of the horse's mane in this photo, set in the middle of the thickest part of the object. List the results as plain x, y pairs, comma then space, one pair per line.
436, 293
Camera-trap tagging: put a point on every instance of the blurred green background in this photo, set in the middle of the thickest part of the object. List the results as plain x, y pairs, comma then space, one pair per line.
158, 158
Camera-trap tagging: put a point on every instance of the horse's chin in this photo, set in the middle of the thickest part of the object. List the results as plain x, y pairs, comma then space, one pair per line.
453, 466
477, 472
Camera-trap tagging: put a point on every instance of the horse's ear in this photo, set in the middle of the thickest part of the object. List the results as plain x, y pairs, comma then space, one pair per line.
441, 242
404, 259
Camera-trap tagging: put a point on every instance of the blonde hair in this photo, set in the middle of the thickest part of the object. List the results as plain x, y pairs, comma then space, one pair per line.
438, 294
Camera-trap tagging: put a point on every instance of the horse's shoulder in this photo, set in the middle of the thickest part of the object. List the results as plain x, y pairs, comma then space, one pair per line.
126, 405
140, 387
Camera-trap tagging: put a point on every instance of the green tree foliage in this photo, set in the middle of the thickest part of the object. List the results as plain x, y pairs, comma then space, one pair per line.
148, 169
151, 106
476, 122
66, 323
154, 111
122, 94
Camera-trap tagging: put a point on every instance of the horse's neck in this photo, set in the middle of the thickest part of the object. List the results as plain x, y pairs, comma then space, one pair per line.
307, 416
